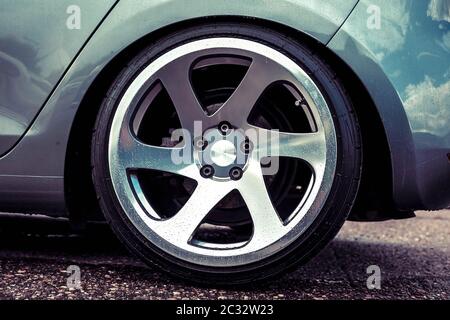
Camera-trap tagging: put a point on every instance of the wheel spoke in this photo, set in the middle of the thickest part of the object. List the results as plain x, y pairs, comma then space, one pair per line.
175, 78
134, 154
310, 147
266, 222
182, 226
261, 73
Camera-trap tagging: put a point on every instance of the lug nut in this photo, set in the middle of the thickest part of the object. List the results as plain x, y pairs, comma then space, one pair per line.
236, 173
246, 146
224, 127
200, 144
207, 171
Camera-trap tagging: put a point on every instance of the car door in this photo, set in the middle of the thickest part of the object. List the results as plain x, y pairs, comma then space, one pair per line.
38, 42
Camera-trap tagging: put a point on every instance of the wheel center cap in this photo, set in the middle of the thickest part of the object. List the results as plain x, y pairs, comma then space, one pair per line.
223, 153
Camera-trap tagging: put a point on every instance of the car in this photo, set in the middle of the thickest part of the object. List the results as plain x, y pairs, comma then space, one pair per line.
225, 142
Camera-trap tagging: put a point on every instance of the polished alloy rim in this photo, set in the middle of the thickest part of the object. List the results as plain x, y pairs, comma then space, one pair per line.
172, 71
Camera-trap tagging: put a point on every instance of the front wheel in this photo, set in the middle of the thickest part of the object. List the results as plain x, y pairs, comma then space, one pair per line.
226, 153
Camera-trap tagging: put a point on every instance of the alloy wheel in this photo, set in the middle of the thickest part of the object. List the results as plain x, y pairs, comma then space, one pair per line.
218, 164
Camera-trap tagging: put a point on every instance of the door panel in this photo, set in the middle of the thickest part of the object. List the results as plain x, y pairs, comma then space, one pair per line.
38, 41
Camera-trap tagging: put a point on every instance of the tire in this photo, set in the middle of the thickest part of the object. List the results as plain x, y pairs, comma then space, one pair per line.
334, 208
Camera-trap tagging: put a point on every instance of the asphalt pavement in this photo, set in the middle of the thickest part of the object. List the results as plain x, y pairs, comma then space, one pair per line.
413, 257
